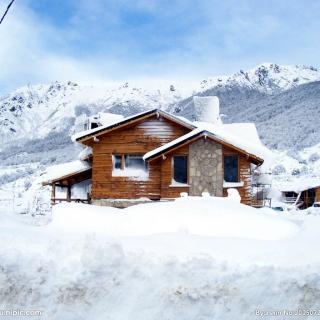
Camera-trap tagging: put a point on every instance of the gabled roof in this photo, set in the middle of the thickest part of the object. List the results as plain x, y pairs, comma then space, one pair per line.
85, 135
255, 152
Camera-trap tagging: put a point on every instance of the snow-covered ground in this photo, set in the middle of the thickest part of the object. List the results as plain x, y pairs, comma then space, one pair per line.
297, 172
195, 258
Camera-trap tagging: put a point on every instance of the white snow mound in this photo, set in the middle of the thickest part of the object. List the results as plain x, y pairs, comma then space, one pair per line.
210, 216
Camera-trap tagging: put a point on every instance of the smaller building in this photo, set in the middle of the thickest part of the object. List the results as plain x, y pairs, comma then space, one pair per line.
302, 193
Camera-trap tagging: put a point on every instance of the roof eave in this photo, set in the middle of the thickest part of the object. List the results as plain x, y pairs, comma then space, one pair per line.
133, 119
254, 159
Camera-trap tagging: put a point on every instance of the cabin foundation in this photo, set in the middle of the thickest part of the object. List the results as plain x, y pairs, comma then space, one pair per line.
120, 203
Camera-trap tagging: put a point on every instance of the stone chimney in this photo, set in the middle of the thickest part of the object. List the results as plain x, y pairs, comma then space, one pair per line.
207, 109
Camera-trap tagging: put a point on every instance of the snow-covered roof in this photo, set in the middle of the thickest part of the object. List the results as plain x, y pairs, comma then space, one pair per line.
298, 185
107, 118
245, 130
111, 125
64, 169
243, 136
85, 153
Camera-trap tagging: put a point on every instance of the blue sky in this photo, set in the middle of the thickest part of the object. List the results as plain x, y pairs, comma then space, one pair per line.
114, 41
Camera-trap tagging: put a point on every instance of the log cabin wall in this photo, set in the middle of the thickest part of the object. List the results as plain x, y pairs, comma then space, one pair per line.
244, 176
138, 139
317, 194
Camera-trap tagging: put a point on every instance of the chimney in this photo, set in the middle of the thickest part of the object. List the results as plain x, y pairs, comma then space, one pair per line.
207, 109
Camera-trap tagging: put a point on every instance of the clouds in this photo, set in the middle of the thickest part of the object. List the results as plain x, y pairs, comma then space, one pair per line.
104, 40
29, 52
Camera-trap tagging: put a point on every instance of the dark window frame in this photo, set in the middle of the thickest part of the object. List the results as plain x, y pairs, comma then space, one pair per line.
224, 168
187, 168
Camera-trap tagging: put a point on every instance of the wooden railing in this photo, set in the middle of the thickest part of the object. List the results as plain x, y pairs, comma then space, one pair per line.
76, 200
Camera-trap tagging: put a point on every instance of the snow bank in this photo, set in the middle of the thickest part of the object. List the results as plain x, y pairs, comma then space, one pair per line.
234, 195
209, 216
101, 281
195, 258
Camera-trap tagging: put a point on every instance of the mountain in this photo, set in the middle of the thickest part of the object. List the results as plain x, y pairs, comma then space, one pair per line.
267, 78
36, 111
283, 102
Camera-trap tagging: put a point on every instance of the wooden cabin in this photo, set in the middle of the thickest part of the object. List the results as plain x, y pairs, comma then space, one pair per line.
302, 196
157, 156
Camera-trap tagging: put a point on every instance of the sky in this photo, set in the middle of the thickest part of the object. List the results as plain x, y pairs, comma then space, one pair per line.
110, 42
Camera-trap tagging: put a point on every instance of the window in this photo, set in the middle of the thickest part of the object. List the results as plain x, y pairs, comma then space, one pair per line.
128, 165
134, 162
231, 169
180, 169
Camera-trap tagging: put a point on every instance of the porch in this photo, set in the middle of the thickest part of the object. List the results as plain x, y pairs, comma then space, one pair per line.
66, 183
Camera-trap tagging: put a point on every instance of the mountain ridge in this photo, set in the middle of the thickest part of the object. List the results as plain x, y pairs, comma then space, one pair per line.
255, 95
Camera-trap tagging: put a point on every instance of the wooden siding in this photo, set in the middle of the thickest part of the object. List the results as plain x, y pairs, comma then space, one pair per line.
168, 191
318, 194
138, 139
244, 176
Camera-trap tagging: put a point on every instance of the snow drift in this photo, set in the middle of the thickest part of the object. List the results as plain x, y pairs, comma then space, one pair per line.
195, 258
210, 216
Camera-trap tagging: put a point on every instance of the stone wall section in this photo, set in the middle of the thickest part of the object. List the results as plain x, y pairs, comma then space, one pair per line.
205, 168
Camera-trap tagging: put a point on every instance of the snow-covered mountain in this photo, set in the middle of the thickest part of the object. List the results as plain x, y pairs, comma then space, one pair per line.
283, 102
36, 111
267, 77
